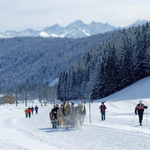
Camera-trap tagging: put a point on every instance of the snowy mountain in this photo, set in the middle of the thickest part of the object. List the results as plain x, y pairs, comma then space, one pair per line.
76, 29
54, 31
138, 22
120, 130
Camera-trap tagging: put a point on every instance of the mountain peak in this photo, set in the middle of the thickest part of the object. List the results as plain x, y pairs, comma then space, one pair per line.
93, 22
138, 22
53, 26
76, 24
56, 25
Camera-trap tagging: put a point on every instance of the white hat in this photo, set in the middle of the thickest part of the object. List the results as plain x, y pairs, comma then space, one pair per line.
140, 101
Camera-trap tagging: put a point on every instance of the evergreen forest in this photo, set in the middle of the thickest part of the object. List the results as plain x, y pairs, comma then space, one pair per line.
113, 64
94, 66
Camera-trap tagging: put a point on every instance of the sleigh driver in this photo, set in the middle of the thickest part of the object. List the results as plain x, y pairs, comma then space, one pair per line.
53, 113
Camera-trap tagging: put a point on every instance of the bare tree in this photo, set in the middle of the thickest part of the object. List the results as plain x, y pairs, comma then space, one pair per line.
16, 91
39, 92
25, 90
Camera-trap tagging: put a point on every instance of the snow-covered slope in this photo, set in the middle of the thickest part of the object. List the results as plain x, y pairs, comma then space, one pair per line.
54, 82
115, 133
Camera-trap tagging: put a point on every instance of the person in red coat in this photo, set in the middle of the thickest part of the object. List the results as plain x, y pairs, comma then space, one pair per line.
29, 111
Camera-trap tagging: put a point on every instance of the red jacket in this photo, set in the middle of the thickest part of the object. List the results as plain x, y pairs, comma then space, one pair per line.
29, 110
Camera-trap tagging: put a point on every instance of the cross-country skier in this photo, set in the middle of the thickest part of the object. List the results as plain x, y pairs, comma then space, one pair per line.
140, 109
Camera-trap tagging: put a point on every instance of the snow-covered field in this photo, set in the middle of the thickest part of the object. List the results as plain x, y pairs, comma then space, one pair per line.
116, 133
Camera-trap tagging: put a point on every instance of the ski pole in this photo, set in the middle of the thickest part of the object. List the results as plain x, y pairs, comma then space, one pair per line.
132, 120
146, 116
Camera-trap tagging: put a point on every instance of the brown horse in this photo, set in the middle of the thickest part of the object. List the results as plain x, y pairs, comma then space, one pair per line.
63, 114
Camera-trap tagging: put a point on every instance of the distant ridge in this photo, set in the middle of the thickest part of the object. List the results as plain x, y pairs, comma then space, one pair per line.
77, 29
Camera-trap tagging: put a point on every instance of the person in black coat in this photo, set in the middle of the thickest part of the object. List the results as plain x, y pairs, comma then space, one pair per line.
140, 109
102, 108
32, 109
54, 111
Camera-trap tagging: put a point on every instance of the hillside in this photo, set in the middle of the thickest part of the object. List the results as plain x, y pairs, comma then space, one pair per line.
118, 62
37, 60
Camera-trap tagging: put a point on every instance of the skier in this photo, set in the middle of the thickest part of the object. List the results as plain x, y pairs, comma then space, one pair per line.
102, 107
36, 109
140, 109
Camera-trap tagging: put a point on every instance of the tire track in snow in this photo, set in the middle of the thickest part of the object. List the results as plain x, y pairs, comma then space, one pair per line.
39, 138
5, 143
115, 138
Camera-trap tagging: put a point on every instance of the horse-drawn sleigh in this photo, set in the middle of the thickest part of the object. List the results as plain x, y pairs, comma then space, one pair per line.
68, 115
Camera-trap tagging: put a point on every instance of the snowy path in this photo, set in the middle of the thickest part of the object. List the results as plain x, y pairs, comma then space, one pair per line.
35, 133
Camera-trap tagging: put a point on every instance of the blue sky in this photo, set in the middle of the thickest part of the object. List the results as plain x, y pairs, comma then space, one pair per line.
38, 14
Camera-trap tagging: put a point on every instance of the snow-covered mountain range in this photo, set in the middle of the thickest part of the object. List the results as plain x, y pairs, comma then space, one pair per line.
77, 29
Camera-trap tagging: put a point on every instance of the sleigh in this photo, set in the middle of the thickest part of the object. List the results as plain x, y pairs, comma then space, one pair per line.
53, 120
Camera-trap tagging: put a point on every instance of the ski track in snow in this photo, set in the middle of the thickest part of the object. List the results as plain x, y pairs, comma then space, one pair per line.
73, 139
36, 136
116, 133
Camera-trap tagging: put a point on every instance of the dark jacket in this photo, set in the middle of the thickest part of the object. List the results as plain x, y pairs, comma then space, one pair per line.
102, 108
54, 112
140, 108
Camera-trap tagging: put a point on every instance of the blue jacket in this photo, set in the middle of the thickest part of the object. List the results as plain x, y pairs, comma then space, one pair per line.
102, 108
36, 108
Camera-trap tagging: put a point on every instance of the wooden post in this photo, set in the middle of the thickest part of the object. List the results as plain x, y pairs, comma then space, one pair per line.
89, 110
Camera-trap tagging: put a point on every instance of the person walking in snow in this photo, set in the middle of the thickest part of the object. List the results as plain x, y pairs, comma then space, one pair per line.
36, 109
140, 109
32, 109
26, 112
29, 111
102, 108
